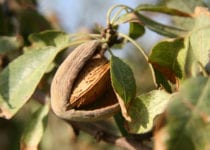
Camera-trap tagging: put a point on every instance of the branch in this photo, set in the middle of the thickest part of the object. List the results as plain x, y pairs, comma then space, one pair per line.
97, 130
101, 130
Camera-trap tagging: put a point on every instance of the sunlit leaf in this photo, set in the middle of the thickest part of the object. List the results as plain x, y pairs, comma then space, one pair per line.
49, 38
188, 116
123, 83
8, 44
145, 108
166, 59
20, 78
162, 29
35, 129
182, 5
128, 17
186, 6
162, 9
182, 57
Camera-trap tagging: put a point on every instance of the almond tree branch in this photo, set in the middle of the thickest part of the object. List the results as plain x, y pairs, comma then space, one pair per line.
97, 130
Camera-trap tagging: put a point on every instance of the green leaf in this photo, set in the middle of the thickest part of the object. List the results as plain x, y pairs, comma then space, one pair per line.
162, 80
162, 9
120, 121
166, 58
35, 129
49, 38
136, 30
183, 5
186, 6
19, 79
199, 40
9, 43
161, 29
123, 80
188, 116
128, 17
151, 24
145, 108
183, 57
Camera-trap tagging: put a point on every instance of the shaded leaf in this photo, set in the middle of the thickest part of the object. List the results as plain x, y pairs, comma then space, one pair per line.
31, 21
9, 43
35, 129
120, 121
145, 108
162, 80
123, 80
123, 83
136, 30
188, 116
20, 78
162, 9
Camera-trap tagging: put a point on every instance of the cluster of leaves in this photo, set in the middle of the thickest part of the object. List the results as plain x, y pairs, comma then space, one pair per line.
180, 65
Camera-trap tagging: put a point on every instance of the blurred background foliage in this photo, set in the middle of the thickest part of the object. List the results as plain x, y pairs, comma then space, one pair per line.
23, 17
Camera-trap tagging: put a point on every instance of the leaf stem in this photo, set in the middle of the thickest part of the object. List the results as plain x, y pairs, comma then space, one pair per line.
117, 14
142, 52
135, 44
109, 12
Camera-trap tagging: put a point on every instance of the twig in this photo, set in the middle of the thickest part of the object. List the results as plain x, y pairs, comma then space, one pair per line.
40, 97
97, 130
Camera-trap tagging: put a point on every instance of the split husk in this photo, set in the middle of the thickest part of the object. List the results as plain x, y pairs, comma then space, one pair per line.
81, 89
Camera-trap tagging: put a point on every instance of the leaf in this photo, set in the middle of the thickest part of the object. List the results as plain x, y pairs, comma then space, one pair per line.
49, 38
136, 30
182, 57
145, 108
151, 24
186, 6
161, 29
188, 116
20, 78
120, 123
123, 83
9, 43
162, 9
31, 21
200, 37
123, 80
162, 80
128, 17
35, 129
166, 58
